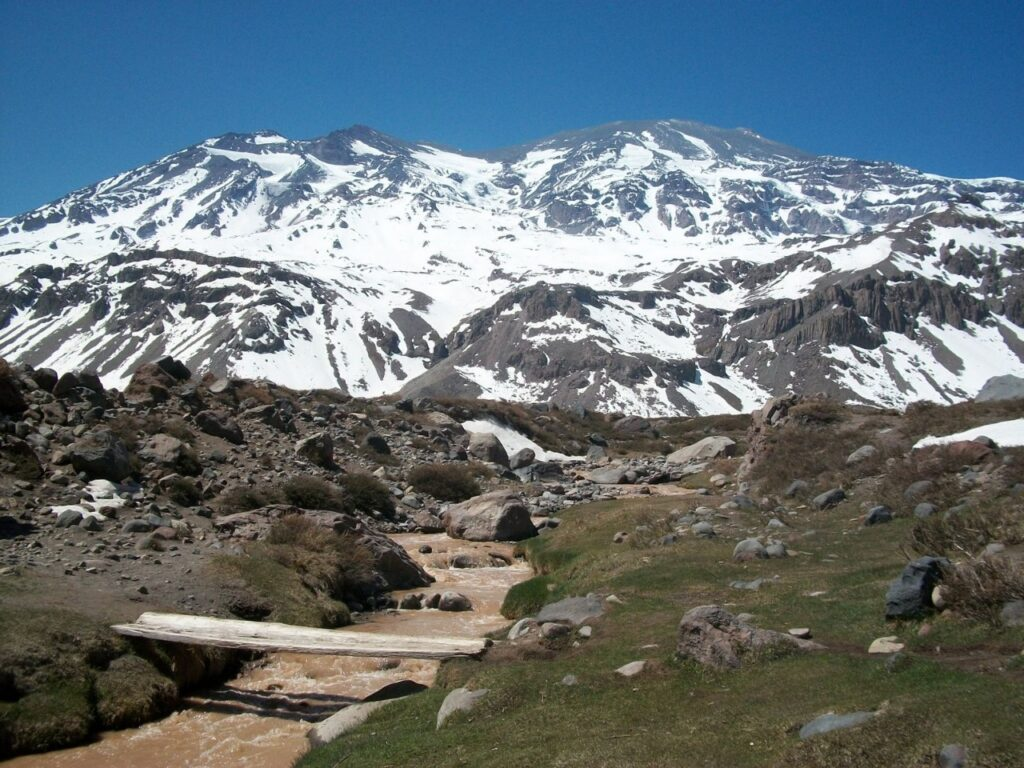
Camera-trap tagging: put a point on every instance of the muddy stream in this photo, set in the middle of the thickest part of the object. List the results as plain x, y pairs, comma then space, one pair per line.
261, 717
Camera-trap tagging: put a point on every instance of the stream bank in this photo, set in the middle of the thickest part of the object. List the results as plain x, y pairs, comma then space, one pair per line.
261, 717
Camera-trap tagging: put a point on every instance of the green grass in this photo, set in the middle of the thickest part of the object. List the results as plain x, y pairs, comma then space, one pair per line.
527, 597
678, 714
68, 676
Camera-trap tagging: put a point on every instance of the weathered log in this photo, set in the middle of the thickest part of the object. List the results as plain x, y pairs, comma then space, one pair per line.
269, 636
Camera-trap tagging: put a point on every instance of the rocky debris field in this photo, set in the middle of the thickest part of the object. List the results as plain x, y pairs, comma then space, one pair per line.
230, 497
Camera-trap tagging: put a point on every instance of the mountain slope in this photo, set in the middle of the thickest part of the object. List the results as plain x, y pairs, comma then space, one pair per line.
656, 267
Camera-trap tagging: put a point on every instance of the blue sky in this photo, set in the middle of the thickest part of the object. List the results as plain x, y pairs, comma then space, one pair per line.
93, 88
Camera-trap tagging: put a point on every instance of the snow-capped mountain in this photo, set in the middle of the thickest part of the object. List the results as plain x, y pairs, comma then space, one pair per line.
650, 267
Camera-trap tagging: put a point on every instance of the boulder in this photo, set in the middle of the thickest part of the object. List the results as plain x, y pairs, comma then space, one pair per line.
749, 549
634, 425
609, 476
495, 516
341, 722
524, 457
487, 447
317, 449
1001, 388
11, 401
220, 425
632, 669
168, 451
917, 489
100, 453
149, 384
829, 498
910, 596
712, 447
173, 368
572, 610
878, 515
459, 700
713, 637
863, 453
377, 444
454, 601
954, 755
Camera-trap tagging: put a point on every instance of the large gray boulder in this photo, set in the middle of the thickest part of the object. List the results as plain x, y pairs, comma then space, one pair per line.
609, 476
713, 447
220, 425
910, 596
1001, 388
495, 516
572, 610
342, 721
487, 447
459, 700
169, 451
524, 457
317, 449
101, 453
713, 637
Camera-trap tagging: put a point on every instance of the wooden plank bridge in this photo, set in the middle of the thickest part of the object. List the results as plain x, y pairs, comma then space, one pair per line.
268, 636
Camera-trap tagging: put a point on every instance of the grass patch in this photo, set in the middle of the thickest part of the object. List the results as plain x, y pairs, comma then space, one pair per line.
527, 597
743, 718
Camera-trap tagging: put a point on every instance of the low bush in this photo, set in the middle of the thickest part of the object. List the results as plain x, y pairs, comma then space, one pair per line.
327, 562
242, 498
311, 492
447, 482
183, 491
968, 531
179, 428
366, 492
978, 588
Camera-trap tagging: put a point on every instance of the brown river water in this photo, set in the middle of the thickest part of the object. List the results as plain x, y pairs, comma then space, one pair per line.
261, 717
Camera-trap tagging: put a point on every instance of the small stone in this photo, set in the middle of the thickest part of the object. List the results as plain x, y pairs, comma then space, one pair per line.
585, 631
569, 680
620, 537
888, 644
834, 722
551, 630
863, 453
521, 628
632, 669
749, 549
703, 529
953, 756
804, 633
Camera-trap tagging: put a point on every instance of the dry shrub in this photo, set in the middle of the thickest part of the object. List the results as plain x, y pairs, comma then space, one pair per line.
649, 531
242, 498
179, 428
305, 491
448, 482
939, 465
183, 491
978, 588
814, 448
326, 561
311, 492
970, 530
367, 492
817, 412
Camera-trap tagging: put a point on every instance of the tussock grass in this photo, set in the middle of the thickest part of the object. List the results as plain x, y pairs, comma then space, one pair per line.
447, 482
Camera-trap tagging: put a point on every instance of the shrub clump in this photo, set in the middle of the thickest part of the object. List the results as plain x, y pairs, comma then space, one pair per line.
327, 562
366, 492
305, 491
447, 482
311, 492
978, 589
183, 491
